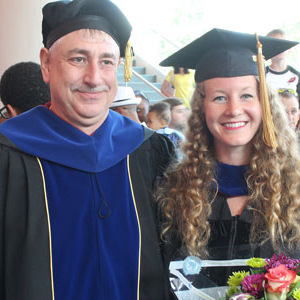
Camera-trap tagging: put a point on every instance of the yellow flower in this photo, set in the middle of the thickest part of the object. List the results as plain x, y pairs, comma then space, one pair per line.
236, 278
296, 294
231, 292
255, 262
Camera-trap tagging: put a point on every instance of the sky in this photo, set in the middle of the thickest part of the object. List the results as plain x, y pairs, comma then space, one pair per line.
259, 16
255, 15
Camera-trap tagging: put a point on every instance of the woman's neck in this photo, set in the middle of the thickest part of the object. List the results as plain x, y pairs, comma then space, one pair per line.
235, 156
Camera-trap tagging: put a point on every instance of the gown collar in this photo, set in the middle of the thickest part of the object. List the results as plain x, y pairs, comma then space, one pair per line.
231, 180
41, 133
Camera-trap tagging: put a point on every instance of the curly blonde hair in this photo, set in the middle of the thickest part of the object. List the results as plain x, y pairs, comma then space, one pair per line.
273, 180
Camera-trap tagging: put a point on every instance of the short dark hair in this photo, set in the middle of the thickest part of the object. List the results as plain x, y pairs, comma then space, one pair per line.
163, 111
177, 70
22, 86
173, 101
276, 32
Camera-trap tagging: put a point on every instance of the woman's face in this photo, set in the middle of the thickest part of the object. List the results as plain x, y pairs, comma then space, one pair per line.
232, 111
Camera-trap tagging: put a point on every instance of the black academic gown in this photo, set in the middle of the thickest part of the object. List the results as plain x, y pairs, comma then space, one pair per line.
229, 240
25, 247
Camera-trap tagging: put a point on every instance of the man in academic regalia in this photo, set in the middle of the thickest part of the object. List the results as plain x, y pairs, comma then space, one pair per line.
76, 212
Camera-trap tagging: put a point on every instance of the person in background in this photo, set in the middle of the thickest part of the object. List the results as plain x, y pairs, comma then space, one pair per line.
182, 79
142, 107
125, 103
159, 118
21, 88
179, 114
279, 75
291, 104
77, 219
235, 194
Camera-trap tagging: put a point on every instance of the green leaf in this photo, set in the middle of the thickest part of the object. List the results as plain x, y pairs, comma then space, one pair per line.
293, 287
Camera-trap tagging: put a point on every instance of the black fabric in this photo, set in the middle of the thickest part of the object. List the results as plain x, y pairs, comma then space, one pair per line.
63, 17
93, 22
24, 238
154, 156
226, 62
229, 240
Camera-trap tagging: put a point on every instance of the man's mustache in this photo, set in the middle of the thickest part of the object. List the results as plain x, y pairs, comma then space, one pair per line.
87, 89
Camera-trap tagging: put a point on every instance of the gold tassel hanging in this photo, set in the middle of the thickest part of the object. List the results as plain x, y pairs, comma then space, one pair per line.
128, 62
269, 136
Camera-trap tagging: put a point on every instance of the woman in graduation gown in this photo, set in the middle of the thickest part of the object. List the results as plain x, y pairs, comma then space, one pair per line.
235, 194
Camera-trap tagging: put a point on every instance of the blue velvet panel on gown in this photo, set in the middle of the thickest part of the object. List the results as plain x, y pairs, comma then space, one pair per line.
93, 257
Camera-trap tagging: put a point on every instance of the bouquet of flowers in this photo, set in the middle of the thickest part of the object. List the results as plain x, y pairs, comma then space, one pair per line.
268, 279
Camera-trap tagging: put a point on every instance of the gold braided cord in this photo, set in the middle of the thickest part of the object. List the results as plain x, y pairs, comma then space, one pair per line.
269, 136
128, 62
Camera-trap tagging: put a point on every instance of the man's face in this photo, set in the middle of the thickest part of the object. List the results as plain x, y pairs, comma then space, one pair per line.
128, 111
142, 110
81, 69
179, 116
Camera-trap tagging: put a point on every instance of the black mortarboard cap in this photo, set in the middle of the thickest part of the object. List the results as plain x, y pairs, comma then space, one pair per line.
224, 53
63, 17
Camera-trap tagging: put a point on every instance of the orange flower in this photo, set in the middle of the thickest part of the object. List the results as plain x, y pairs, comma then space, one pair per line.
279, 279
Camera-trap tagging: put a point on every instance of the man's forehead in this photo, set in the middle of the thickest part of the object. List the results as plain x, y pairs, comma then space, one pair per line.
78, 40
91, 34
96, 34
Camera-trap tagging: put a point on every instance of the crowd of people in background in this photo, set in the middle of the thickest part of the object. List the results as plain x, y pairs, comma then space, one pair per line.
167, 117
102, 189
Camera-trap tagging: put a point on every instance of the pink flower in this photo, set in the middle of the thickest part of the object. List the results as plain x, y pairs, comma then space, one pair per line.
253, 284
279, 279
275, 261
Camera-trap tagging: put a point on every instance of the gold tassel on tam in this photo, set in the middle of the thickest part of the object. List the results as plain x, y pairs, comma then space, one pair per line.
128, 62
269, 136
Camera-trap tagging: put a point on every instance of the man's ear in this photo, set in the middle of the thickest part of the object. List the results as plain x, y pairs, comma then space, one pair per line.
44, 59
13, 111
